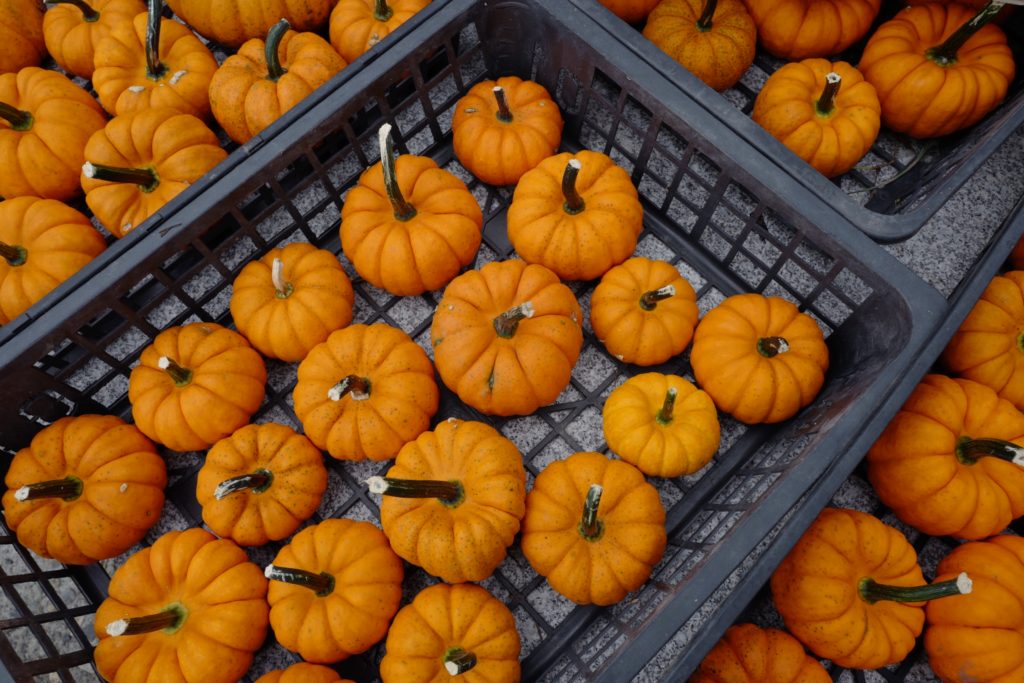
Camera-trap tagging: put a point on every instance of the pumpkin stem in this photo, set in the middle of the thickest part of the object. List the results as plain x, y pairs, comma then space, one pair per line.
403, 209
769, 347
872, 592
665, 414
573, 201
154, 69
381, 11
504, 113
274, 68
507, 323
67, 489
259, 481
181, 376
945, 53
283, 287
649, 301
322, 584
358, 387
458, 661
88, 13
19, 120
168, 620
14, 254
704, 23
969, 451
145, 178
590, 526
450, 493
827, 102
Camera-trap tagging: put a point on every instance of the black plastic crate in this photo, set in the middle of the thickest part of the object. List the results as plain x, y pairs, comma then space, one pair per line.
901, 182
721, 212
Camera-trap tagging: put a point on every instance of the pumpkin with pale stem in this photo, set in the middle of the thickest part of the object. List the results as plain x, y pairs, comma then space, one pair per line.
358, 25
173, 608
21, 35
453, 500
633, 11
87, 488
749, 654
506, 337
452, 631
232, 22
798, 29
303, 672
73, 28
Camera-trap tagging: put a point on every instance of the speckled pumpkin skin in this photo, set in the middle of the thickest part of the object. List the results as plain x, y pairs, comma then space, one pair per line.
748, 654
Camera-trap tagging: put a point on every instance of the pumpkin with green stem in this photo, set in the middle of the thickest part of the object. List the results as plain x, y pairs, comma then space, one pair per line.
21, 35
798, 29
749, 654
358, 25
73, 28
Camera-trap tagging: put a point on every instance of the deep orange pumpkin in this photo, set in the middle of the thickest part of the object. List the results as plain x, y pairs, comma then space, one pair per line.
633, 11
21, 34
303, 672
73, 28
798, 29
748, 654
232, 22
358, 25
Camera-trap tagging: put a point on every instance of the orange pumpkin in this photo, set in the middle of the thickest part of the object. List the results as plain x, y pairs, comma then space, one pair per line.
263, 80
748, 654
798, 29
633, 11
358, 25
260, 484
334, 590
232, 22
195, 385
759, 358
501, 129
452, 631
73, 28
365, 392
824, 112
938, 68
42, 243
290, 300
189, 600
506, 337
141, 161
21, 34
409, 226
644, 311
714, 39
303, 672
593, 527
453, 500
549, 221
45, 123
87, 488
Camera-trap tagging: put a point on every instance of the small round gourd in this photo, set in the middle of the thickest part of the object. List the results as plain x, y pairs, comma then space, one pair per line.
798, 29
21, 35
73, 28
303, 672
232, 22
358, 25
632, 11
749, 654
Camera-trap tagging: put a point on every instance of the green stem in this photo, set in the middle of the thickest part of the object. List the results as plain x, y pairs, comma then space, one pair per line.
872, 592
450, 493
67, 489
88, 13
19, 120
322, 584
507, 323
969, 451
649, 300
358, 386
283, 287
181, 376
145, 178
168, 620
826, 104
458, 661
769, 347
504, 113
14, 254
665, 414
381, 11
403, 209
274, 68
154, 69
259, 481
945, 54
591, 527
573, 201
704, 23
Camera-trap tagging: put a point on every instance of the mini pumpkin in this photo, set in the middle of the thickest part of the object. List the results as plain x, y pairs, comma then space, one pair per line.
260, 484
87, 488
303, 672
824, 112
506, 337
73, 28
263, 80
798, 29
549, 221
851, 590
759, 358
632, 11
644, 311
593, 527
45, 123
749, 654
173, 608
43, 242
453, 500
334, 590
358, 25
408, 226
938, 68
661, 424
714, 39
290, 300
141, 161
195, 385
365, 392
449, 631
232, 22
501, 129
21, 35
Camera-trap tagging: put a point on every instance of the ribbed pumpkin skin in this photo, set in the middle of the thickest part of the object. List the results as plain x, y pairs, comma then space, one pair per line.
105, 521
355, 28
748, 654
402, 396
21, 34
719, 56
833, 144
45, 160
915, 469
303, 672
253, 518
987, 348
580, 246
367, 591
225, 598
922, 98
287, 328
515, 375
226, 388
978, 637
442, 617
816, 590
72, 41
604, 570
468, 541
58, 242
232, 22
500, 152
743, 382
633, 11
629, 331
798, 29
